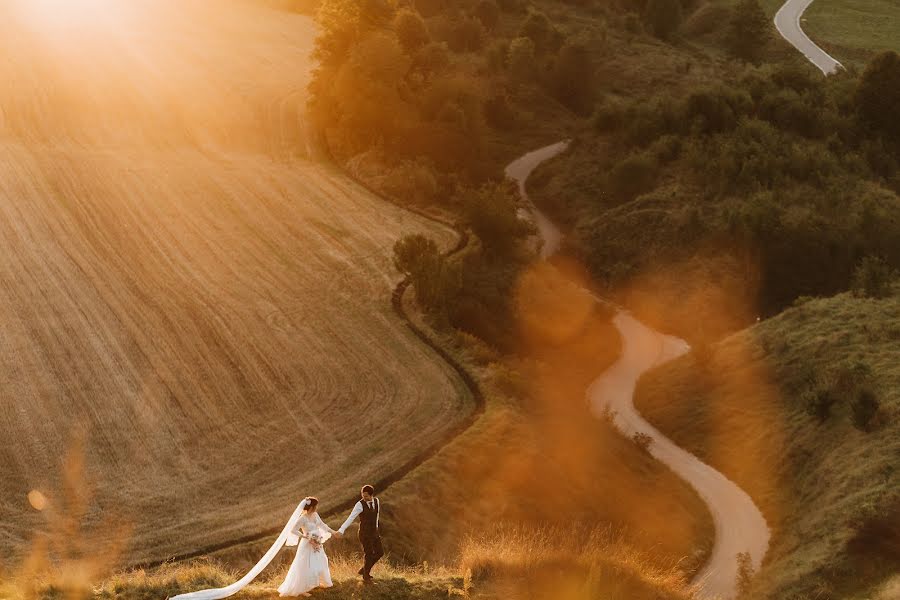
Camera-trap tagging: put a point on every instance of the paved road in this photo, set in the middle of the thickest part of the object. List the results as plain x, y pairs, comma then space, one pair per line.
787, 21
740, 526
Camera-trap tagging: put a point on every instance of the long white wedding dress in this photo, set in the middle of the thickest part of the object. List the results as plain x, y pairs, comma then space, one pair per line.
289, 536
309, 569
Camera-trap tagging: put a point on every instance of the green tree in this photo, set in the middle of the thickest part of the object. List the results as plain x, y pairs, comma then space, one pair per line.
488, 12
572, 77
435, 280
413, 252
872, 278
748, 30
538, 28
520, 60
432, 59
411, 31
878, 95
663, 17
633, 176
493, 215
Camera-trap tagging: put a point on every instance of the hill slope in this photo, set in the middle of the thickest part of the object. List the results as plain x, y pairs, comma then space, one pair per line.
779, 408
212, 313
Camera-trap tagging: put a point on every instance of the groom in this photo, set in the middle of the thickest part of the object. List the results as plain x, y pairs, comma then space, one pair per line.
367, 510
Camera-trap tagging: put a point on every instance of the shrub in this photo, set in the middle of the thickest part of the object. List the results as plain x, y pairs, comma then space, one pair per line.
864, 408
435, 280
633, 24
571, 77
749, 30
488, 12
818, 403
466, 35
872, 278
431, 59
498, 113
878, 95
642, 441
716, 109
633, 176
492, 213
413, 252
663, 17
411, 181
744, 572
521, 59
496, 54
609, 115
411, 31
540, 31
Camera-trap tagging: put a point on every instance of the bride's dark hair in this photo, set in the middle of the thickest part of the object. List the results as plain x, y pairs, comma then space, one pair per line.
311, 502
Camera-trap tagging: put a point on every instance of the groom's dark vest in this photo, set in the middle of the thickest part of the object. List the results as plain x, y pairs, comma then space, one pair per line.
368, 519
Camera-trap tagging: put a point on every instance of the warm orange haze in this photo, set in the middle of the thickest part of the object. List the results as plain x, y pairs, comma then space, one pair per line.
423, 299
180, 283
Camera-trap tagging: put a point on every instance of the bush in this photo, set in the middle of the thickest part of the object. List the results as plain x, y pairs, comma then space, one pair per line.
431, 59
571, 77
633, 176
716, 109
436, 281
864, 409
818, 403
878, 95
642, 441
413, 252
411, 31
749, 30
540, 31
663, 17
609, 116
493, 215
872, 278
498, 113
744, 572
488, 12
467, 35
521, 59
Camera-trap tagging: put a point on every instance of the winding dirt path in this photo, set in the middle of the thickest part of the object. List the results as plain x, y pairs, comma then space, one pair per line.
787, 22
740, 526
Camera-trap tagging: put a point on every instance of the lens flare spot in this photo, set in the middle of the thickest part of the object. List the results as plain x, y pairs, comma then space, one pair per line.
37, 500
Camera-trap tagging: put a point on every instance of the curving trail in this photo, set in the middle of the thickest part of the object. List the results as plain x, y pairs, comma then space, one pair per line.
787, 22
740, 526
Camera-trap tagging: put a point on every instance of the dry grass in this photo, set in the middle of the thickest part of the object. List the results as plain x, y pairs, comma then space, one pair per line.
558, 564
566, 564
178, 283
829, 490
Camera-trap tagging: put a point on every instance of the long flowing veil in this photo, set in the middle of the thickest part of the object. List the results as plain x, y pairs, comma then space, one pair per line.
286, 538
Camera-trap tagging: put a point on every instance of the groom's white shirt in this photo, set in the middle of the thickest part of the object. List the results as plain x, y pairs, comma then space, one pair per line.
357, 509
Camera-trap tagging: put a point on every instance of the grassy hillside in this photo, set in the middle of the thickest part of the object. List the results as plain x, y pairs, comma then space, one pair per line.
784, 409
209, 313
718, 191
851, 31
522, 565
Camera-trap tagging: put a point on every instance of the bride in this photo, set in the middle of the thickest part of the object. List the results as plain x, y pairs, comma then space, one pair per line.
309, 569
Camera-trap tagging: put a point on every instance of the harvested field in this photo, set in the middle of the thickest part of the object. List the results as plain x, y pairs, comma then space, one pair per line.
180, 285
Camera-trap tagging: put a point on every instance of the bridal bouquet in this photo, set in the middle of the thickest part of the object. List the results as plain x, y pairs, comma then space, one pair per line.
315, 542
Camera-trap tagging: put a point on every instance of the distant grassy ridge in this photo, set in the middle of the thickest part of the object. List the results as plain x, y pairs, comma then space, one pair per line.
749, 407
850, 30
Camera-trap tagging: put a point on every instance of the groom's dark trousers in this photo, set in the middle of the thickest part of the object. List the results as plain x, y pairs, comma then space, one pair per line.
370, 536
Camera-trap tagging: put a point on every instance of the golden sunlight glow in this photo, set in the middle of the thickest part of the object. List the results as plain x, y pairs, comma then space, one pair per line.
37, 500
64, 12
